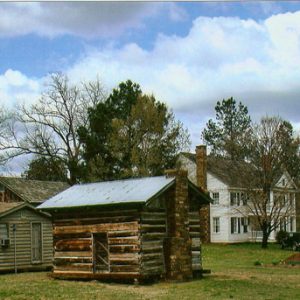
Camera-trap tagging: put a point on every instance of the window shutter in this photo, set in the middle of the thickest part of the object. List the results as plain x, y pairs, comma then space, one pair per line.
232, 225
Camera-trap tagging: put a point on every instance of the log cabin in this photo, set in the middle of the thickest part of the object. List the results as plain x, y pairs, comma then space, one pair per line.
134, 229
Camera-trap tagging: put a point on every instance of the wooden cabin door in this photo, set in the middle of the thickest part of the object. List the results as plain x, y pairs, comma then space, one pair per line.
36, 242
101, 253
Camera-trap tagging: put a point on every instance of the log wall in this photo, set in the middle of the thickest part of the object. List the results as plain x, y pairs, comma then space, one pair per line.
153, 233
74, 243
195, 232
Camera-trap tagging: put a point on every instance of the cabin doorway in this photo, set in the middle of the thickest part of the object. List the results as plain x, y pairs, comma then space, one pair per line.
36, 242
100, 253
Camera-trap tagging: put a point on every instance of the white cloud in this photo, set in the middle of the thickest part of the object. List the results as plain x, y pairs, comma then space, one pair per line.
15, 88
85, 19
255, 62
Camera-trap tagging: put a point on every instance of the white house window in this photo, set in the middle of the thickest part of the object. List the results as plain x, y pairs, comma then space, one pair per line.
291, 224
238, 198
235, 225
216, 198
283, 224
245, 223
216, 225
3, 231
239, 225
292, 197
235, 198
283, 182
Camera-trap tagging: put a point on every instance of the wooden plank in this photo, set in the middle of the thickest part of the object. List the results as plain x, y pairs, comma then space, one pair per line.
113, 257
71, 260
123, 233
73, 245
125, 268
152, 256
153, 228
153, 236
72, 254
124, 240
98, 220
124, 248
74, 267
94, 213
74, 235
96, 228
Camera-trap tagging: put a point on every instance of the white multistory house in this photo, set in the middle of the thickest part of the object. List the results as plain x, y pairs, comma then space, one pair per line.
230, 218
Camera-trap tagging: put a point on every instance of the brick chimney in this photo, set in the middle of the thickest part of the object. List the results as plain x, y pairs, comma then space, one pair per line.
201, 176
201, 166
177, 245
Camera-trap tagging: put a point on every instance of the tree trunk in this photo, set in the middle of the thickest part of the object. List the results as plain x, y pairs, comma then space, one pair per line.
264, 243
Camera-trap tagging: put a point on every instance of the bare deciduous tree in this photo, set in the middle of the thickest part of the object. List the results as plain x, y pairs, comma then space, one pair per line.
49, 128
268, 198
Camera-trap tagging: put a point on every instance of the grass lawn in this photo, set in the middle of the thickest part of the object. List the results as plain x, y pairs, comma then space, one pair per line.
234, 276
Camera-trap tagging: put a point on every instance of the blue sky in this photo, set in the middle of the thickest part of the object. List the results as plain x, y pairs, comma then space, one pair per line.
188, 54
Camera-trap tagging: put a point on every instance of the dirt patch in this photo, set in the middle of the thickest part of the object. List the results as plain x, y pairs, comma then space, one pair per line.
293, 259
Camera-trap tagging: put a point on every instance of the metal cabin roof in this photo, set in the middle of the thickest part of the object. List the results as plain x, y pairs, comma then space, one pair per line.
109, 192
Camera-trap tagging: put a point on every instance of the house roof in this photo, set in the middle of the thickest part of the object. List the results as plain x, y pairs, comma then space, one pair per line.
33, 190
139, 190
228, 171
8, 208
231, 172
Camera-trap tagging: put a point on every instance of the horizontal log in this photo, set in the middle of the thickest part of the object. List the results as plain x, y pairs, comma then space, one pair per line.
153, 236
83, 267
96, 228
123, 233
124, 240
98, 276
94, 212
73, 245
97, 220
124, 268
123, 256
71, 260
73, 254
152, 263
153, 270
152, 256
194, 234
196, 242
152, 249
152, 228
124, 248
74, 235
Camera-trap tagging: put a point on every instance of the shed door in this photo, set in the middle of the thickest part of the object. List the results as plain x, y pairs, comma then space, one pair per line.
101, 253
36, 242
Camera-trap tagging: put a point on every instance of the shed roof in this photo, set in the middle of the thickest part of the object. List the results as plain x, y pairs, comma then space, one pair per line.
8, 208
137, 190
33, 190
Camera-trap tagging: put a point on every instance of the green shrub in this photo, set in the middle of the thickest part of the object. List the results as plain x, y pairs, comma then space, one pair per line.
281, 235
257, 263
275, 262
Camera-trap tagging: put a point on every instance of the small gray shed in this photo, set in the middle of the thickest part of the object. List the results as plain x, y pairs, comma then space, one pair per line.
25, 238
